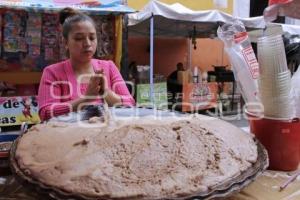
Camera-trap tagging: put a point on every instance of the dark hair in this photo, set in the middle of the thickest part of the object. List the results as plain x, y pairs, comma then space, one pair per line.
180, 64
69, 16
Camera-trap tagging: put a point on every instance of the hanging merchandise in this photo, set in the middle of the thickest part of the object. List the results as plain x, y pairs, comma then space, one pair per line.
50, 35
33, 34
98, 24
105, 35
31, 40
14, 32
62, 46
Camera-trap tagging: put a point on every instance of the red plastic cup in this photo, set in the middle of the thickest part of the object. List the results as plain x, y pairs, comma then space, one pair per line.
280, 138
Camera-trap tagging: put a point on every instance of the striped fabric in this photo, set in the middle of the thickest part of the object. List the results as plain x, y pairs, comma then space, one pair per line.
59, 86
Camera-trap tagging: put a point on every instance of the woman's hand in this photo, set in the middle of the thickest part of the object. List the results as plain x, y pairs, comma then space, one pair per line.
102, 83
97, 85
93, 87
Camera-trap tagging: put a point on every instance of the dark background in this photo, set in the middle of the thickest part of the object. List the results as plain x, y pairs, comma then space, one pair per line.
257, 8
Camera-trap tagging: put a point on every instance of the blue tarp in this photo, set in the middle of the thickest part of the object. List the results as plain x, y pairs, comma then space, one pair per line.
91, 6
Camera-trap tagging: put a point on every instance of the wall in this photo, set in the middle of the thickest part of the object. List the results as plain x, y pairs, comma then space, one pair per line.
167, 52
192, 4
209, 52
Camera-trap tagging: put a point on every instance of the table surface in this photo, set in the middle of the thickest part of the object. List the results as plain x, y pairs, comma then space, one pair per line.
265, 187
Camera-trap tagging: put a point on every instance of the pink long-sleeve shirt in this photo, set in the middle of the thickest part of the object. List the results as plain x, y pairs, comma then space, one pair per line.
58, 86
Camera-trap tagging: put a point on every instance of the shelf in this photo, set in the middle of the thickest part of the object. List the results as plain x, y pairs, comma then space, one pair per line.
21, 77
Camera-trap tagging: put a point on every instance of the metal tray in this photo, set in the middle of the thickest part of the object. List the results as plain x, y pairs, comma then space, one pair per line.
224, 189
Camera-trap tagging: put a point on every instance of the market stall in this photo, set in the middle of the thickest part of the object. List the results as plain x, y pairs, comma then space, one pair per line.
178, 21
140, 153
31, 40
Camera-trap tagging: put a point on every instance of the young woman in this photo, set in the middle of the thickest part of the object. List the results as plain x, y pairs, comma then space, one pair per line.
81, 80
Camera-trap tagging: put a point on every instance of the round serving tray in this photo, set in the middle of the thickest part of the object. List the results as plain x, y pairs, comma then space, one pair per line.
222, 190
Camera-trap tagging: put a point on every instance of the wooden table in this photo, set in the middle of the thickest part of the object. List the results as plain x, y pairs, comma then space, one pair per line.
266, 187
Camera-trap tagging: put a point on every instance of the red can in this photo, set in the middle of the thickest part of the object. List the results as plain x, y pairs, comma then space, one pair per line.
281, 138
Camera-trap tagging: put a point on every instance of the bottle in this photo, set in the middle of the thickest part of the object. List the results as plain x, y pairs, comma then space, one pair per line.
204, 77
195, 75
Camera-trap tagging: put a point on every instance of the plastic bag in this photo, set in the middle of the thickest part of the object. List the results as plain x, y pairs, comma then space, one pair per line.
243, 60
295, 91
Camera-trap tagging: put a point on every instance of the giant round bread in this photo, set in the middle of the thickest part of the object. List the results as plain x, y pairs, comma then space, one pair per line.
136, 159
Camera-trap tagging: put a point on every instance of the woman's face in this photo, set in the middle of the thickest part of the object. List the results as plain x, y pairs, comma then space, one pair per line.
82, 41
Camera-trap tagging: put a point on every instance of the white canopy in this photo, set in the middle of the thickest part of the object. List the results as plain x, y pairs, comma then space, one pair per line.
177, 20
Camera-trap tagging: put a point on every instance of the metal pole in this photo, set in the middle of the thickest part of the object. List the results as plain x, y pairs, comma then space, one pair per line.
124, 59
189, 54
151, 59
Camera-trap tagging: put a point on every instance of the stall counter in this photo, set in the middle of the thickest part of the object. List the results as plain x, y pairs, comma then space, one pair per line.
266, 187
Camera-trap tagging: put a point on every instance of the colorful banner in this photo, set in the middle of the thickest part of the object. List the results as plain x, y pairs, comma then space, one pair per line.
99, 6
160, 95
15, 110
199, 96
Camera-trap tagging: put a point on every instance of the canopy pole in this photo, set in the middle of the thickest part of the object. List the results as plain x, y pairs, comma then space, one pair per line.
151, 59
189, 54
